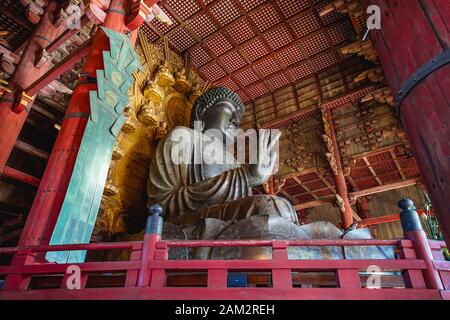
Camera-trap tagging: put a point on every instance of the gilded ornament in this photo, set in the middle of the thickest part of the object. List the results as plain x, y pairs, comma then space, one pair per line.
164, 77
110, 189
195, 93
150, 114
154, 92
182, 84
129, 125
118, 153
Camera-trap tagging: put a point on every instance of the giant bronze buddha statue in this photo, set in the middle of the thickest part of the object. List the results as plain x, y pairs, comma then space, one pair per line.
215, 197
191, 191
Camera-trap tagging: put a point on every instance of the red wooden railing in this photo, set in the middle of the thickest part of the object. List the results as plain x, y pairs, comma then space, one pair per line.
147, 270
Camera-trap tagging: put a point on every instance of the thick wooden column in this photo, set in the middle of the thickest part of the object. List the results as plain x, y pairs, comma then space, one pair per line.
362, 205
363, 208
341, 184
414, 49
26, 73
52, 190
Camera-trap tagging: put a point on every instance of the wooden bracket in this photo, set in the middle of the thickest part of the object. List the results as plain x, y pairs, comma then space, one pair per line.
95, 10
44, 57
24, 103
139, 12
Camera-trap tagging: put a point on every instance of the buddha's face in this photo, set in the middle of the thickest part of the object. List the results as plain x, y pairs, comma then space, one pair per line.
224, 117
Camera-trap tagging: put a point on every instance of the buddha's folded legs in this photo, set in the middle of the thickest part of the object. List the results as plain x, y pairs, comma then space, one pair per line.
250, 206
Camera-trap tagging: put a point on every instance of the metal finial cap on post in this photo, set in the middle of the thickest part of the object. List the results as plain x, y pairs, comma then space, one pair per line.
409, 217
155, 220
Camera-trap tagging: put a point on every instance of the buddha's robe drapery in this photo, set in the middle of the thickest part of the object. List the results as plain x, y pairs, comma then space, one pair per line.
190, 192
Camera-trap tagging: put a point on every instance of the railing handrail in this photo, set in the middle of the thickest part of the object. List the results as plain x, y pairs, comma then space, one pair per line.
202, 243
70, 247
290, 243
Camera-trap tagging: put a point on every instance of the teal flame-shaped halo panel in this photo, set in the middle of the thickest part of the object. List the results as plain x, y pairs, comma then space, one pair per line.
82, 201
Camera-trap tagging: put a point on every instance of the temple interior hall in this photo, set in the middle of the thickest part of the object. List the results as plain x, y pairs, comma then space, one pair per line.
92, 90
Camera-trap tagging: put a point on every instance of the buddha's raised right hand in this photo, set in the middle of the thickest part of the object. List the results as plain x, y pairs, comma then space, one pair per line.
259, 173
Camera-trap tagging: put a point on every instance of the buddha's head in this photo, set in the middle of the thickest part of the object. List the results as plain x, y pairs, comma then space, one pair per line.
220, 109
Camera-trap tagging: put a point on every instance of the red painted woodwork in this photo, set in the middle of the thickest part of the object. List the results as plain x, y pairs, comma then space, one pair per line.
341, 184
50, 195
20, 176
66, 35
148, 251
379, 220
25, 73
151, 257
423, 251
64, 65
310, 111
414, 32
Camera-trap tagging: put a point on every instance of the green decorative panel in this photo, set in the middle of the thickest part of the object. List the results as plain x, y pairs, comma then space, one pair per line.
82, 201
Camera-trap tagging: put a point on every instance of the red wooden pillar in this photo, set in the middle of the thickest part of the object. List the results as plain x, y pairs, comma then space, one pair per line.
341, 184
24, 75
302, 216
52, 189
363, 208
362, 204
413, 46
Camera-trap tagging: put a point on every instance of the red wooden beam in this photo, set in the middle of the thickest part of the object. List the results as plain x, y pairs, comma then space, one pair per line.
46, 206
66, 35
12, 118
379, 220
32, 150
20, 176
386, 187
168, 293
64, 65
265, 243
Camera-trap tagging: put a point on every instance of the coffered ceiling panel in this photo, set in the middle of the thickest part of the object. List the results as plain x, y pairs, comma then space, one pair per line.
254, 46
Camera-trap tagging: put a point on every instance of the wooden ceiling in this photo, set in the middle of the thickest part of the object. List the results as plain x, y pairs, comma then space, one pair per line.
254, 47
282, 58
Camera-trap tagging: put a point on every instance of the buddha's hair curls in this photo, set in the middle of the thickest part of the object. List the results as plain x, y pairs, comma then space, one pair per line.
210, 98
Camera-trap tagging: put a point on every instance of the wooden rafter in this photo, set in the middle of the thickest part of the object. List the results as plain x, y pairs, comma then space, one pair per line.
296, 179
379, 220
397, 164
386, 187
362, 193
372, 171
325, 181
32, 150
288, 196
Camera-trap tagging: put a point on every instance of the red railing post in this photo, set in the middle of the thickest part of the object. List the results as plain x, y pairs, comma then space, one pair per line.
153, 234
413, 230
348, 278
281, 278
132, 275
217, 278
19, 281
158, 276
412, 278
